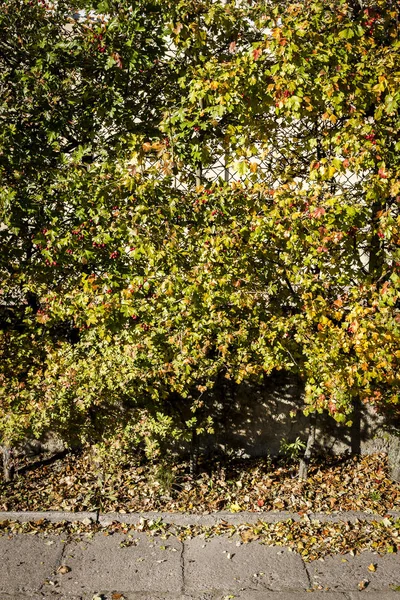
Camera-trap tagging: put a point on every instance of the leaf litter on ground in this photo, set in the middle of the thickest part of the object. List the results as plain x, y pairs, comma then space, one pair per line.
77, 483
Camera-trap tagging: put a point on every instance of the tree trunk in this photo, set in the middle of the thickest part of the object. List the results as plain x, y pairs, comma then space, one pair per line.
394, 458
305, 460
8, 464
355, 431
194, 454
375, 263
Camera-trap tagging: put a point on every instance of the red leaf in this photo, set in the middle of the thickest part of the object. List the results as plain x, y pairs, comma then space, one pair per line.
318, 212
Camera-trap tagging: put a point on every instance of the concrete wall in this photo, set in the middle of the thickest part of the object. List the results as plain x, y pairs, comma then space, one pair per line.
253, 421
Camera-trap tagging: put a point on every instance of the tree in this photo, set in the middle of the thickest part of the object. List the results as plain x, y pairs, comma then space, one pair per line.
69, 100
145, 282
82, 93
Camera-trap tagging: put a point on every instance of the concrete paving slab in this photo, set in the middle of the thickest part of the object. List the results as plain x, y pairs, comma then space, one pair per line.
248, 594
241, 595
298, 595
345, 572
40, 596
27, 560
219, 564
371, 595
155, 596
102, 564
134, 596
290, 595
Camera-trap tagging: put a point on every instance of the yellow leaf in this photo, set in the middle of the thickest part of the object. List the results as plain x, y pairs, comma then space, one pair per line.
372, 567
331, 171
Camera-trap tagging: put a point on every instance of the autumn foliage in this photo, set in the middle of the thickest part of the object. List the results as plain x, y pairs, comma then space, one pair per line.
133, 277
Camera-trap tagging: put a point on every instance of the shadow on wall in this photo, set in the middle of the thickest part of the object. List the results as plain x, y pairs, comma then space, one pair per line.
253, 420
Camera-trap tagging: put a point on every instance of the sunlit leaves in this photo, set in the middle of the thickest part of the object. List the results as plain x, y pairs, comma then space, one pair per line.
131, 282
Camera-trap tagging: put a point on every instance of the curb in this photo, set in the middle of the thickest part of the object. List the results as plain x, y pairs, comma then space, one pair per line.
49, 515
187, 519
183, 519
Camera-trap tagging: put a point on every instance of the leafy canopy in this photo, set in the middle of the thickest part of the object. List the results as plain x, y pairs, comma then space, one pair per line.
191, 192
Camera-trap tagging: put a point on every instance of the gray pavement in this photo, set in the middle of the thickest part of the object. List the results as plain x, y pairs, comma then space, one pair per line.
138, 566
193, 519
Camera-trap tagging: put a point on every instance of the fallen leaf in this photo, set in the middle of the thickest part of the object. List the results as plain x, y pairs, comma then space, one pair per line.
63, 569
372, 567
248, 536
363, 584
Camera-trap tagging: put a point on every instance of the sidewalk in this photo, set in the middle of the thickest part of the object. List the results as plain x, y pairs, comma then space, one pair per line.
145, 567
